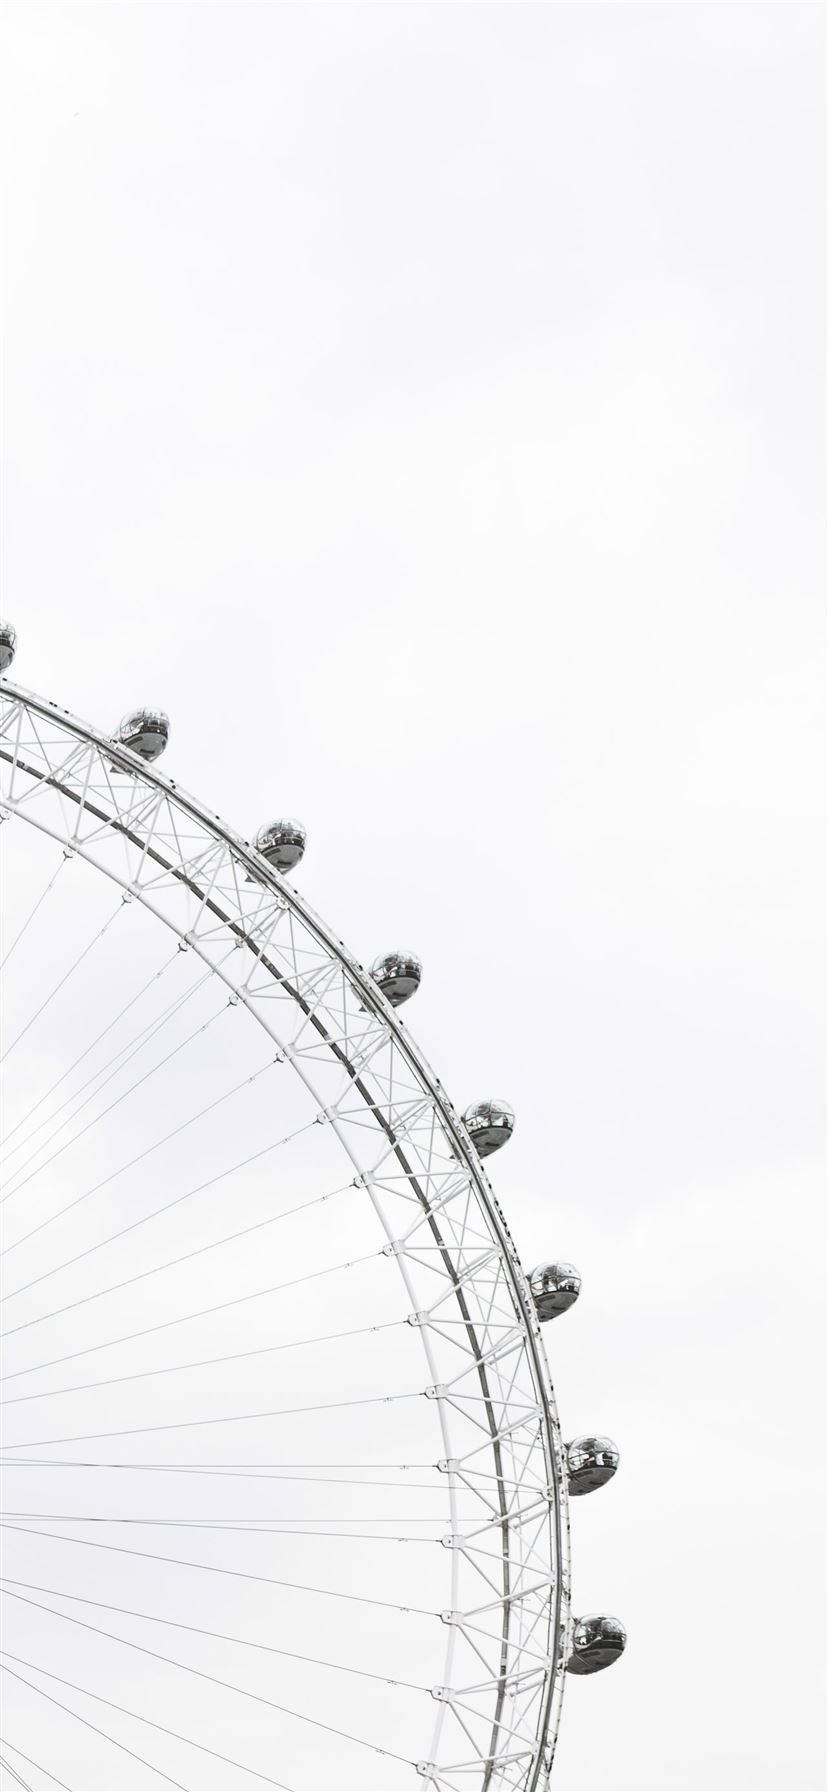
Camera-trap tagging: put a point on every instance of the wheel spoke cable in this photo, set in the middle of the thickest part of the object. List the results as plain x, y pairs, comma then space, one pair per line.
159, 1771
246, 1527
97, 1118
31, 915
267, 1580
30, 1112
37, 1765
184, 1318
116, 1062
244, 1692
18, 1778
205, 1362
255, 1772
210, 1108
240, 1471
233, 1418
64, 979
220, 1636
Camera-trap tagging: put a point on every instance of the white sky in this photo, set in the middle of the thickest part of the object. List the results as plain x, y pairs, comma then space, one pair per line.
426, 405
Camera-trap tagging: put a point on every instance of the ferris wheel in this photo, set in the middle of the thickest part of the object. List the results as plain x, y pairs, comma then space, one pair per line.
285, 1497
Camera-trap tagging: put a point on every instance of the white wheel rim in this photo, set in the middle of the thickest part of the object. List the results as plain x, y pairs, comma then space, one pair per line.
326, 1016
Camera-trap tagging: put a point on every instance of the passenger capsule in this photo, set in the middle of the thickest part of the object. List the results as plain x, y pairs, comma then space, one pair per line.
554, 1288
145, 731
282, 843
490, 1124
596, 1643
399, 975
591, 1462
8, 644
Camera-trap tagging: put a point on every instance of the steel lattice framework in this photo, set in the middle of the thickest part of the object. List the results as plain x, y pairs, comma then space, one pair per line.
508, 1621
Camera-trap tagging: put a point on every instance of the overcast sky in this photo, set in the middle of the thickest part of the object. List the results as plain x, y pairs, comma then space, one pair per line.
425, 403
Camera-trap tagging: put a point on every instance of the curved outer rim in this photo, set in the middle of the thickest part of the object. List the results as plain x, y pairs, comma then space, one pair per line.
19, 701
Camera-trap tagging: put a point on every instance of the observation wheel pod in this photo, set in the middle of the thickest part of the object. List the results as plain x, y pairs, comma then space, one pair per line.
490, 1125
554, 1288
145, 731
398, 975
591, 1462
597, 1641
8, 645
282, 843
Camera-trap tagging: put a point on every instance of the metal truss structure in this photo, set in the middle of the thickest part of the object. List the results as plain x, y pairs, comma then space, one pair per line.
507, 1617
